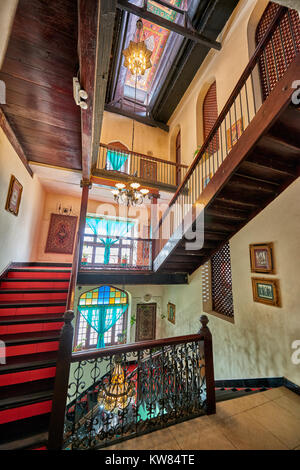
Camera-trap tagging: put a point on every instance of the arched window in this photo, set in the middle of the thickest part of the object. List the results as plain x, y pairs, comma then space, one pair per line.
210, 115
284, 46
117, 157
102, 317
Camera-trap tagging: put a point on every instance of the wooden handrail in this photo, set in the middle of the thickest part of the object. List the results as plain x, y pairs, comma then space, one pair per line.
132, 347
142, 155
247, 71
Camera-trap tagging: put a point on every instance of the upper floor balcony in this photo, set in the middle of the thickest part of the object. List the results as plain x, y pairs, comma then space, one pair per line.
116, 163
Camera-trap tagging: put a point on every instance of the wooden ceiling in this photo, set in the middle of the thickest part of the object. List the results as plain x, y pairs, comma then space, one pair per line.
38, 70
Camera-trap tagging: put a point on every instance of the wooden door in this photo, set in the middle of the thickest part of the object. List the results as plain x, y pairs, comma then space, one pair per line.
145, 322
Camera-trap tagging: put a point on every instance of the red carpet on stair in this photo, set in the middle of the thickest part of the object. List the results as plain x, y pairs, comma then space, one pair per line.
32, 303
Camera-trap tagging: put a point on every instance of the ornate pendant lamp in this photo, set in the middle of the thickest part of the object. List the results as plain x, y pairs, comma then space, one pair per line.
137, 55
118, 393
137, 61
131, 195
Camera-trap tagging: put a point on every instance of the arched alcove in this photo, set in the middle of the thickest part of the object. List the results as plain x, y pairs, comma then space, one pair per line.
199, 110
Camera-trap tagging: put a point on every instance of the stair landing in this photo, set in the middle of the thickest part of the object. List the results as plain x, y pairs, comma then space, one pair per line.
264, 421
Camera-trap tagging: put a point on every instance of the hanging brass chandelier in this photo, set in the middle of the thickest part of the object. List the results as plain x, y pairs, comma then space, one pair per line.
137, 55
118, 394
131, 195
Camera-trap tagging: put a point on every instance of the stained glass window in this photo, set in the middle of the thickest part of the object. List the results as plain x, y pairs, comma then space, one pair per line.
86, 336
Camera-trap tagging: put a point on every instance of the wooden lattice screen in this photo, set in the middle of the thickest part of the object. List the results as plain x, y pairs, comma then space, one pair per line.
222, 300
210, 114
284, 46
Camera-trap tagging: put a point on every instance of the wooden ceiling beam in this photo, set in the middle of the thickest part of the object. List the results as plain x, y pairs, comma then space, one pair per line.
105, 21
87, 42
176, 28
8, 131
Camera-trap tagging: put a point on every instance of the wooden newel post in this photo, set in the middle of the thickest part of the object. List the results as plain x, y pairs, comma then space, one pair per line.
57, 419
209, 366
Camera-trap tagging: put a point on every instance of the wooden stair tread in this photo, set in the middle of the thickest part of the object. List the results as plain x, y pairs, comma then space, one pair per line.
28, 362
31, 303
26, 399
27, 442
25, 388
27, 432
30, 337
40, 318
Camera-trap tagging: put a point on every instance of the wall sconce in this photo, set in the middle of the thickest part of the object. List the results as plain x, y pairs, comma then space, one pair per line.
80, 96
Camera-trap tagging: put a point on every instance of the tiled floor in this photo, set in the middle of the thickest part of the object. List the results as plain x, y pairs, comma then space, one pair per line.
264, 421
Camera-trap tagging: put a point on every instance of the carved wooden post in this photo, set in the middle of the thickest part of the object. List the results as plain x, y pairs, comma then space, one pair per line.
209, 366
57, 420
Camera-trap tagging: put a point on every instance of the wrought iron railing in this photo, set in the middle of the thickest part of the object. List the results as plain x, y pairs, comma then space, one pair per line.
127, 253
267, 65
156, 383
144, 168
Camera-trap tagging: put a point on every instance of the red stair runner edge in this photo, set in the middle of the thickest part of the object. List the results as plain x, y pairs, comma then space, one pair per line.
26, 411
15, 378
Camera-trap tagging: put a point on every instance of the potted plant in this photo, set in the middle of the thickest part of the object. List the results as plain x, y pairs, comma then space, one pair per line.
122, 337
124, 260
84, 258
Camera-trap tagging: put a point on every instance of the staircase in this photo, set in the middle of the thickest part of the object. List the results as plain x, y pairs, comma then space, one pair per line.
32, 302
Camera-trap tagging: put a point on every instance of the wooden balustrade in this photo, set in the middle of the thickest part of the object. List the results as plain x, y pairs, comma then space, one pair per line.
238, 112
146, 169
167, 355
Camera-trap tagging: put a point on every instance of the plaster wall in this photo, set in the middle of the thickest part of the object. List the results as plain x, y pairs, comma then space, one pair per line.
225, 67
116, 128
259, 342
17, 233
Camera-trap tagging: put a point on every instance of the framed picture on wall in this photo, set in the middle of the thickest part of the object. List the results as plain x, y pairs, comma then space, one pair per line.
266, 291
171, 313
234, 133
261, 258
14, 196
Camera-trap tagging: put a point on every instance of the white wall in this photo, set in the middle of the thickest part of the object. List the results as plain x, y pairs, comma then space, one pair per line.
258, 343
17, 232
117, 128
7, 13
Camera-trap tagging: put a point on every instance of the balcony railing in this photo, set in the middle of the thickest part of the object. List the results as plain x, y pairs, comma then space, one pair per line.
148, 170
267, 65
157, 383
126, 253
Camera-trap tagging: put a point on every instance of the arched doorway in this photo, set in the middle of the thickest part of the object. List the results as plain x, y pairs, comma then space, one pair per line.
281, 50
101, 318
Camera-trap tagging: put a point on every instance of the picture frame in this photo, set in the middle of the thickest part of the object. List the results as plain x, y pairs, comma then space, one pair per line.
14, 195
171, 312
266, 291
234, 133
262, 258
